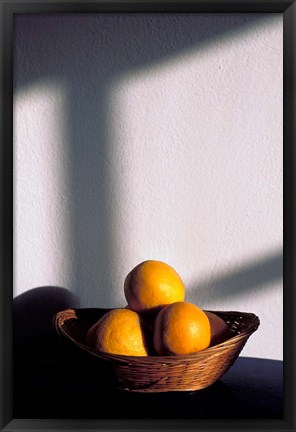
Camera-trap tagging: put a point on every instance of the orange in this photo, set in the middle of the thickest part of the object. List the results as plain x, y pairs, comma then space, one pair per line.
119, 331
181, 328
220, 331
152, 285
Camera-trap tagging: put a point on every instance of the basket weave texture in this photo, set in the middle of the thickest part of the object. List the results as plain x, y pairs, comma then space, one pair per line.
162, 373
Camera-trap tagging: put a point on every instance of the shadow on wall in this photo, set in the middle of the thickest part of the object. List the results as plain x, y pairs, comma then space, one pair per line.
238, 282
34, 337
88, 52
45, 363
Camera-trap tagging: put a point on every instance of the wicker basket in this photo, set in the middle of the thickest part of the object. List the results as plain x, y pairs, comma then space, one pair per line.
162, 373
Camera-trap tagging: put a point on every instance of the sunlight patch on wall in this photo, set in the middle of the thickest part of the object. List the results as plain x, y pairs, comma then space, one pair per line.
198, 146
197, 153
40, 185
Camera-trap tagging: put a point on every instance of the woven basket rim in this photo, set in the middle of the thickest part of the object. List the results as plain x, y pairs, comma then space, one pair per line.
70, 313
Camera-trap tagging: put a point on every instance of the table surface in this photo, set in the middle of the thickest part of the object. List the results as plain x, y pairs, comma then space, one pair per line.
58, 381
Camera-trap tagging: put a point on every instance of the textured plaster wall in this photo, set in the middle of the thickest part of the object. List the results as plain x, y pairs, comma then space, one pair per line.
151, 137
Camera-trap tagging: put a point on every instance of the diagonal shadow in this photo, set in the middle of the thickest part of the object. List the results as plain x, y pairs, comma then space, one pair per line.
114, 43
238, 281
88, 52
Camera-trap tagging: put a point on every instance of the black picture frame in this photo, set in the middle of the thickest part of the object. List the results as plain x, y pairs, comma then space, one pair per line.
8, 9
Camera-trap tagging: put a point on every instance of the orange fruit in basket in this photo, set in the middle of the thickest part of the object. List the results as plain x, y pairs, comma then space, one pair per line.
220, 331
152, 285
120, 331
181, 328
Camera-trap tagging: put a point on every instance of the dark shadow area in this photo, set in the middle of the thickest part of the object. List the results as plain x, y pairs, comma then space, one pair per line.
87, 53
34, 337
251, 389
240, 281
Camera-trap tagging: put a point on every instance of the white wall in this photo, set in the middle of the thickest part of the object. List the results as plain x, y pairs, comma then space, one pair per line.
152, 137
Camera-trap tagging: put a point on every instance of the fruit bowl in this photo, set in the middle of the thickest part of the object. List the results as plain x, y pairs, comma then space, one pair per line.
162, 373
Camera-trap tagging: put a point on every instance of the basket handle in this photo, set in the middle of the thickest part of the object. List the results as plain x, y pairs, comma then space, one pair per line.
60, 317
